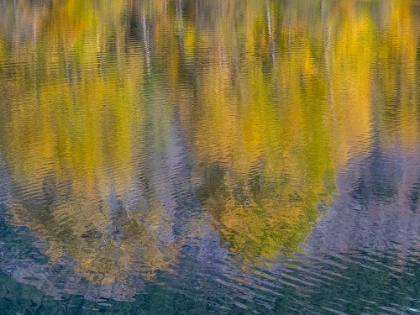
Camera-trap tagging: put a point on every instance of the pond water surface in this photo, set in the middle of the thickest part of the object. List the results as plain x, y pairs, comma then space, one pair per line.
209, 157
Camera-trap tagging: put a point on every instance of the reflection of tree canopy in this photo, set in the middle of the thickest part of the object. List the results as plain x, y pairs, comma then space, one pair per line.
297, 109
76, 139
272, 98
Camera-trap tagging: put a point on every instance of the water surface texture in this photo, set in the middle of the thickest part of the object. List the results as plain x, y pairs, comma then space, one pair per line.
209, 157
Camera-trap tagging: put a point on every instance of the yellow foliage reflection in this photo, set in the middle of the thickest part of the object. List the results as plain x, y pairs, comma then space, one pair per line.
75, 138
272, 99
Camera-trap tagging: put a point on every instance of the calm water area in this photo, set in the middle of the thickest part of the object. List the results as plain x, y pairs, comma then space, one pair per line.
209, 157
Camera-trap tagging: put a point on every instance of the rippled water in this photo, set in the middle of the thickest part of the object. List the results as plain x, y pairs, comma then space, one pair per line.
209, 157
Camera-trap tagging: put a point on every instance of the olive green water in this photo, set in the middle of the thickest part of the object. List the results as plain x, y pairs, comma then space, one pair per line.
209, 157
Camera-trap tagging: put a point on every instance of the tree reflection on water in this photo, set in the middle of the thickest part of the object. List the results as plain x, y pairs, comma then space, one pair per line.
134, 129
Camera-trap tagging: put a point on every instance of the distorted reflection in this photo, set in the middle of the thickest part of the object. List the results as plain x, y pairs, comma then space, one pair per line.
131, 131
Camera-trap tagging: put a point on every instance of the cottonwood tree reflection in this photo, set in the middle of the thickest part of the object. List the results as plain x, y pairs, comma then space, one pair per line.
268, 100
76, 146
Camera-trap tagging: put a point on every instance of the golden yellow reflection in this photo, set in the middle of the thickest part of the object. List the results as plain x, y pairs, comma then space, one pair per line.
75, 137
271, 101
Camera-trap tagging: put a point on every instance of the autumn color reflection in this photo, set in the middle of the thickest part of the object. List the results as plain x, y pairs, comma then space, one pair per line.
267, 106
